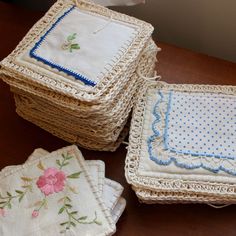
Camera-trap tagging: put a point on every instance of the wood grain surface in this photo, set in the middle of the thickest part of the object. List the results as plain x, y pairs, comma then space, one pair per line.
18, 138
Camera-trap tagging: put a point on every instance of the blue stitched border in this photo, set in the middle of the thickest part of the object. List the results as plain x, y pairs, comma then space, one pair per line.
54, 65
173, 159
186, 152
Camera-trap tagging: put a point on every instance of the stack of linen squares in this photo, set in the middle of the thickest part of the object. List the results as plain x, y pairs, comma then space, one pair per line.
77, 71
182, 144
59, 193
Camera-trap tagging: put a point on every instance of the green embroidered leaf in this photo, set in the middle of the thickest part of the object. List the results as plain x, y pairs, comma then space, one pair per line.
72, 189
64, 223
75, 46
68, 205
40, 166
83, 218
26, 179
71, 37
18, 191
69, 157
8, 194
58, 162
75, 175
65, 164
25, 186
46, 205
68, 199
63, 155
9, 205
98, 222
61, 210
21, 197
73, 224
74, 212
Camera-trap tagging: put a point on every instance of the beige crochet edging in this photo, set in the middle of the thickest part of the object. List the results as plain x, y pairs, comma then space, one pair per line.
146, 67
162, 197
71, 138
163, 184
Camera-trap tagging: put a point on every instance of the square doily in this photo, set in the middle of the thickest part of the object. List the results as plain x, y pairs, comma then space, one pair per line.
183, 139
43, 196
75, 46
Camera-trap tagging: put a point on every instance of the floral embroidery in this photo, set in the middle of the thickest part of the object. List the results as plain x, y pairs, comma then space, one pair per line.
35, 214
73, 218
53, 181
69, 44
6, 201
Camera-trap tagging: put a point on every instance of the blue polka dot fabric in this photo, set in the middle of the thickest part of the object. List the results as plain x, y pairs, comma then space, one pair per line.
193, 130
201, 124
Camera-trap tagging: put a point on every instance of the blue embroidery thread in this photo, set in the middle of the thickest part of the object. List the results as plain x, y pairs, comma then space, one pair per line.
186, 152
173, 159
54, 65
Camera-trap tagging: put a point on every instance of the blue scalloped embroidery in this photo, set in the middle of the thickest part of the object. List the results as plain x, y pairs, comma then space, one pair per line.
156, 134
54, 65
186, 152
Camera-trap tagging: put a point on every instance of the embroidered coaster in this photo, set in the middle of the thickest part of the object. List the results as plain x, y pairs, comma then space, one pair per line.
77, 72
96, 169
30, 190
86, 43
187, 139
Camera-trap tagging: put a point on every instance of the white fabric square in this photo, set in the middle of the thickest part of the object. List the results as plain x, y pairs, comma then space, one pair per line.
189, 132
84, 45
29, 191
109, 190
201, 124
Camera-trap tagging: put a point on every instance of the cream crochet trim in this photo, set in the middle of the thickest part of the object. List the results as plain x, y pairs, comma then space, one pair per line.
217, 189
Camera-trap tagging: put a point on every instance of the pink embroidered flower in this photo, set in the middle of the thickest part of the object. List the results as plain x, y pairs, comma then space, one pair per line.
53, 181
2, 212
35, 214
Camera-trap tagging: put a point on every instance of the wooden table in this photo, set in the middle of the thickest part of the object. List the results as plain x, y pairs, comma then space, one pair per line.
18, 138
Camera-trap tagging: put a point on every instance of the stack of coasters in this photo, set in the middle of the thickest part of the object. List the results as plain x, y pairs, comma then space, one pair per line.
77, 71
182, 144
59, 194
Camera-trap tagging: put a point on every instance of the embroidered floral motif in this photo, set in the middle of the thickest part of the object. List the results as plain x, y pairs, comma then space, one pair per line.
6, 201
35, 214
73, 218
53, 181
69, 44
